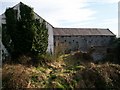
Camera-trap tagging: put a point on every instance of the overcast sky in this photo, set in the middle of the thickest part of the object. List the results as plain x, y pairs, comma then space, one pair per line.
73, 13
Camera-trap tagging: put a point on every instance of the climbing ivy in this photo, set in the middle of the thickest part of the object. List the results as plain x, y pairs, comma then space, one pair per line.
24, 34
25, 29
9, 30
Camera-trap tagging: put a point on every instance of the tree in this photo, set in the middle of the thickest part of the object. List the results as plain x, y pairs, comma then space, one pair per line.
40, 41
24, 34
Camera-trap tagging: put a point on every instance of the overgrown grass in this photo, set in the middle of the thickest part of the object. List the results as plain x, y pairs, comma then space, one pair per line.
64, 72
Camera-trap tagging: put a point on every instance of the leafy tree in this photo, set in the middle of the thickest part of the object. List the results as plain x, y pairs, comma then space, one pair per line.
24, 34
40, 41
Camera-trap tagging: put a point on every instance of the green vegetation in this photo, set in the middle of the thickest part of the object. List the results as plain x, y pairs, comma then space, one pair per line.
40, 41
67, 71
7, 33
26, 39
24, 34
58, 74
113, 53
117, 50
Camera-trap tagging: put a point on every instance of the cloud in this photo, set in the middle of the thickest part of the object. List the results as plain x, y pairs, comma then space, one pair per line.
110, 21
69, 13
56, 11
112, 24
103, 1
65, 10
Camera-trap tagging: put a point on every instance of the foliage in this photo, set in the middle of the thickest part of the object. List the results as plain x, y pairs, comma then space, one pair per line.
116, 46
113, 54
40, 41
24, 34
90, 75
47, 57
60, 74
7, 33
25, 30
14, 77
60, 49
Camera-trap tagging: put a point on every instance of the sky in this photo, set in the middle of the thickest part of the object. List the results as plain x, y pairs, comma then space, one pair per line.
73, 13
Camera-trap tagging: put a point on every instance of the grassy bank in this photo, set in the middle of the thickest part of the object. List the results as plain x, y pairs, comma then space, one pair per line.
64, 72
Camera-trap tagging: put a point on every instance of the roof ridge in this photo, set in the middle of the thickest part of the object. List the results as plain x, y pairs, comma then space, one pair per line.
82, 31
77, 28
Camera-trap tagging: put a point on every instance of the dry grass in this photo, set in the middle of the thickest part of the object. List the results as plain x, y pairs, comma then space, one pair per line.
62, 73
15, 76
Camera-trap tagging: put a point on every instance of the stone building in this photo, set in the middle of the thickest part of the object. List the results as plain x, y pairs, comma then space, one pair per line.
82, 38
71, 39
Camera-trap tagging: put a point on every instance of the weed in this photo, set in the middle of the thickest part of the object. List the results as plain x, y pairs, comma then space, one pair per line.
53, 76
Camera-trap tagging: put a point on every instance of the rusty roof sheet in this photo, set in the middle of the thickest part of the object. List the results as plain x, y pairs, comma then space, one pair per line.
81, 31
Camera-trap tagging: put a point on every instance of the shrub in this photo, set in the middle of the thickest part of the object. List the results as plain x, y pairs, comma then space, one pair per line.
24, 59
82, 55
60, 49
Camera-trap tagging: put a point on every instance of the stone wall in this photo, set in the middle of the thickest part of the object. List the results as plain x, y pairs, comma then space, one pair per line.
84, 43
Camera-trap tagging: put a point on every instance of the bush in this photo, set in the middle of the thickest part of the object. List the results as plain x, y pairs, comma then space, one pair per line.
24, 59
82, 55
60, 49
104, 76
113, 53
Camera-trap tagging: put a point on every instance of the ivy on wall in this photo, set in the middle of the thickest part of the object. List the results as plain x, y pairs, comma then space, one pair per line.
9, 30
25, 29
26, 34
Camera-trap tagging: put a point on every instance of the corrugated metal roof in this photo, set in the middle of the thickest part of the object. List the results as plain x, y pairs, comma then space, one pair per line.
81, 31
